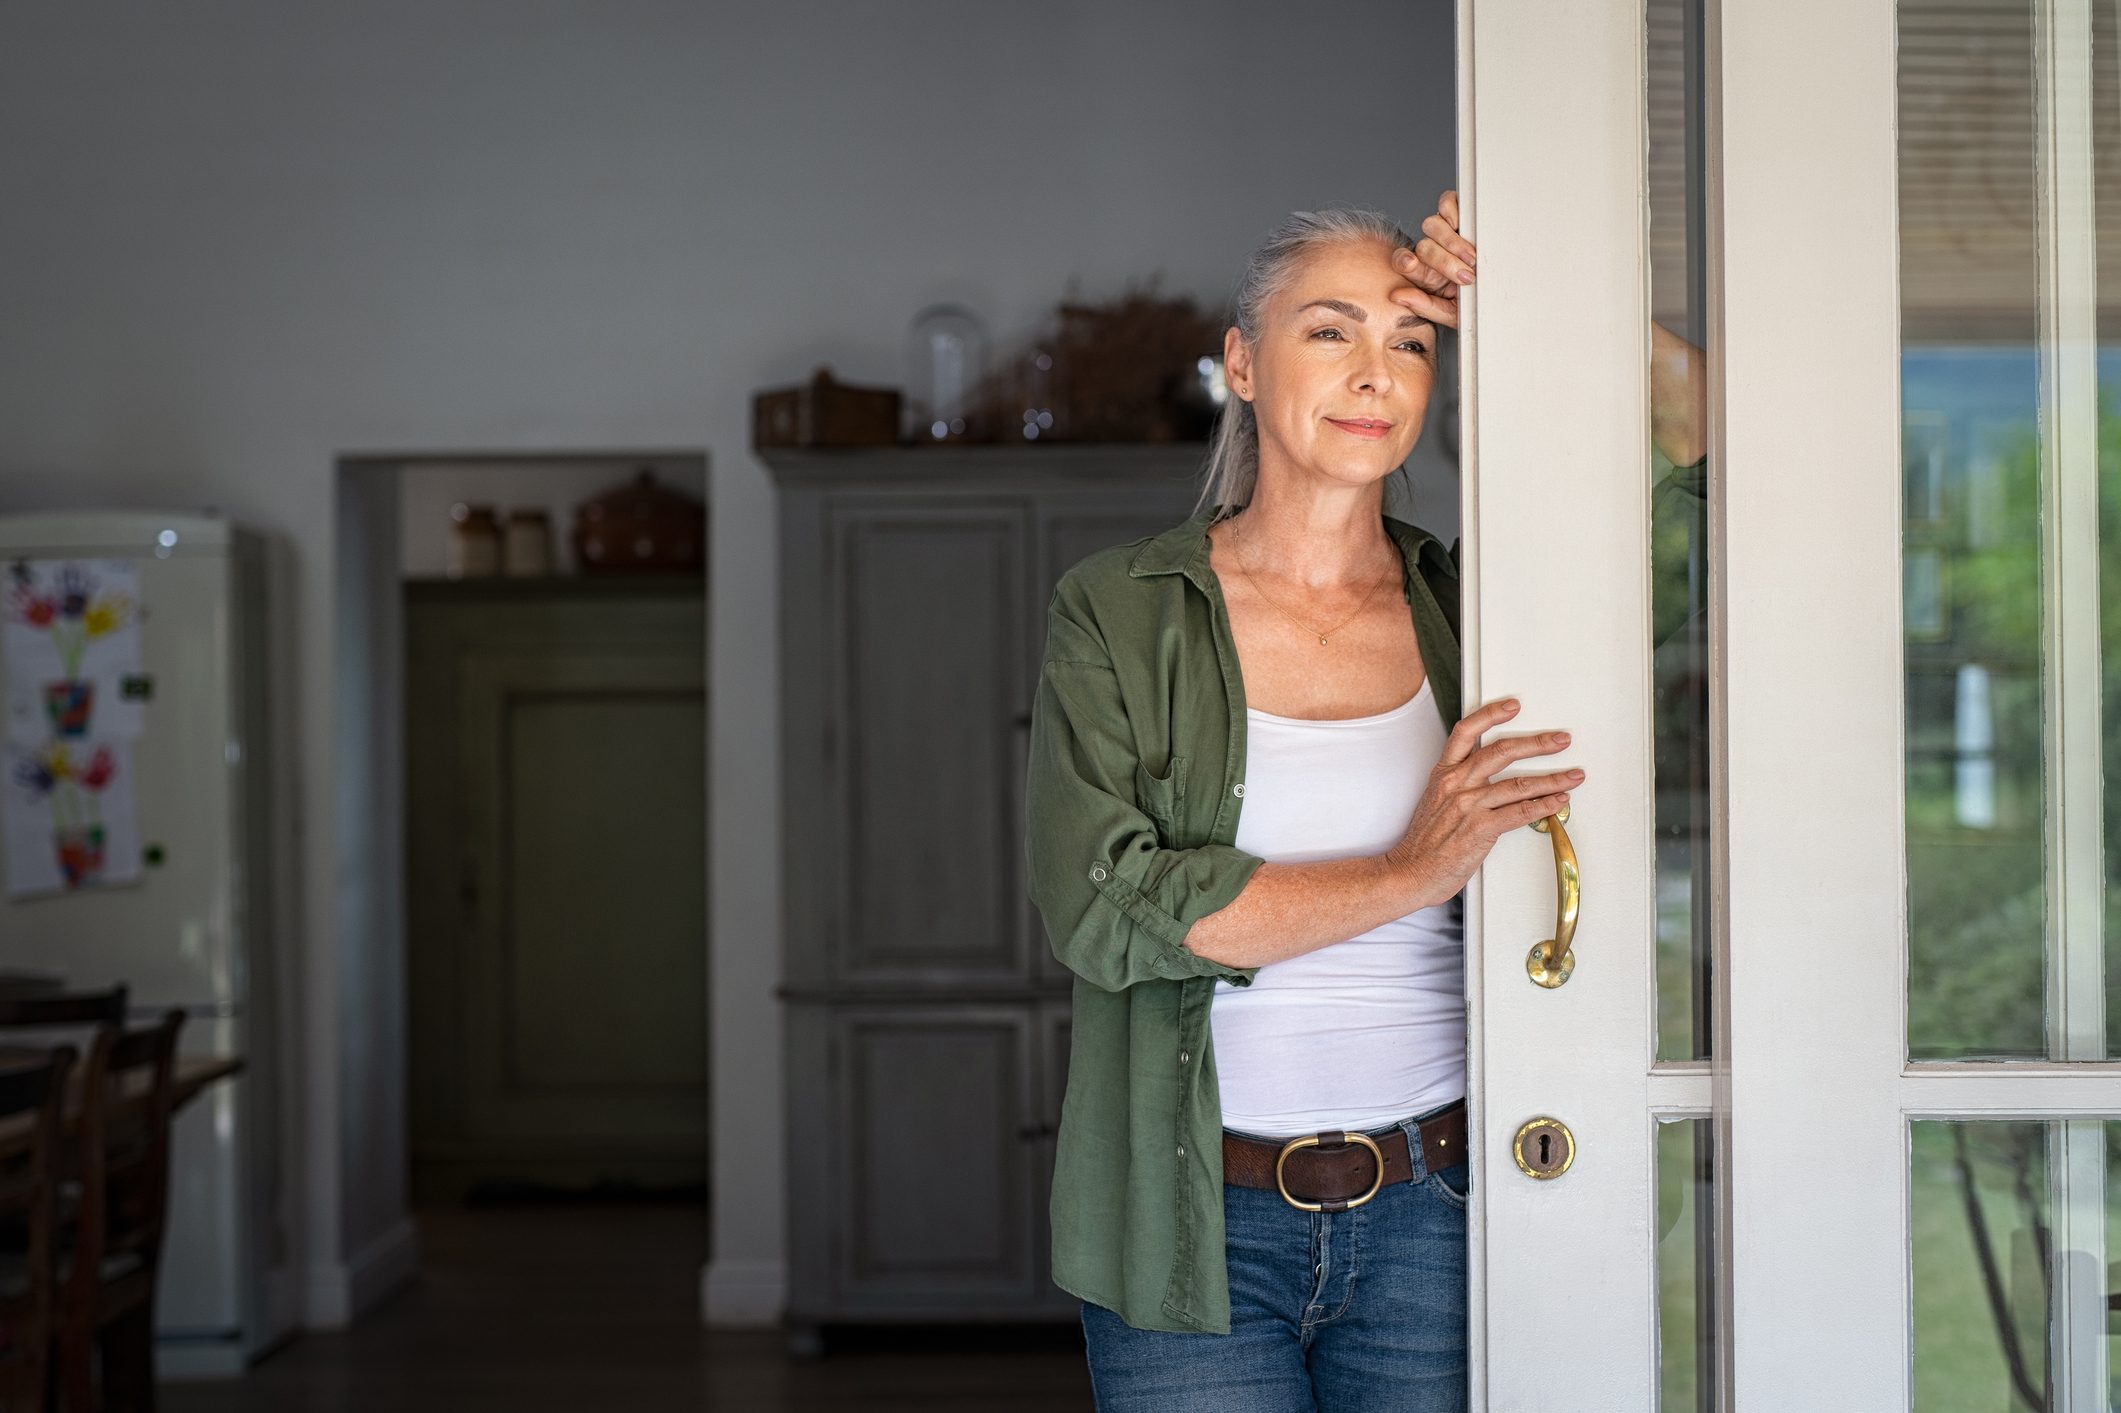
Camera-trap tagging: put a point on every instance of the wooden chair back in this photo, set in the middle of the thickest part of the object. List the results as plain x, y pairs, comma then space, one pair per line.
32, 1138
121, 1154
124, 1148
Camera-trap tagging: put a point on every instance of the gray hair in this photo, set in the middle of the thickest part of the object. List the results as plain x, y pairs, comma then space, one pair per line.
1232, 469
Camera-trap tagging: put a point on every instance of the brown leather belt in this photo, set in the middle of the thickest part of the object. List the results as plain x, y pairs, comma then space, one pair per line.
1334, 1171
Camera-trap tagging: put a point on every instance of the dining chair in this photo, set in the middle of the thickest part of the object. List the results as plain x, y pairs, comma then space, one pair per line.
106, 1341
57, 1017
65, 1018
32, 1130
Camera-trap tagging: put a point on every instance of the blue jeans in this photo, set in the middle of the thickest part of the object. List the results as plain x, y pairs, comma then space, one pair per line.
1361, 1311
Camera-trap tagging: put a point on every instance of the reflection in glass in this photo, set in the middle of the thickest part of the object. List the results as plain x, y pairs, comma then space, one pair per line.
1975, 794
1686, 1282
1978, 1216
2010, 194
1678, 469
2013, 1288
2009, 132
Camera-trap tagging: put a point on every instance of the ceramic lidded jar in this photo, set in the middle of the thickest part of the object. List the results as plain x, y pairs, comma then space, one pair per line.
526, 544
474, 542
640, 526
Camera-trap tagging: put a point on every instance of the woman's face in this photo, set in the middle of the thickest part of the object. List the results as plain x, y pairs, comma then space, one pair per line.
1340, 377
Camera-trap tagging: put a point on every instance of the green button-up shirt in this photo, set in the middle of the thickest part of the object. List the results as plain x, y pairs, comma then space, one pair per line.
1135, 782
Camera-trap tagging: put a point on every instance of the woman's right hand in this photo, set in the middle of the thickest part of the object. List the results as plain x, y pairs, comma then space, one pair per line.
1465, 809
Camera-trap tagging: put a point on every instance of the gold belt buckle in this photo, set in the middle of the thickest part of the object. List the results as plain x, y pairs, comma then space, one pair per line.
1311, 1140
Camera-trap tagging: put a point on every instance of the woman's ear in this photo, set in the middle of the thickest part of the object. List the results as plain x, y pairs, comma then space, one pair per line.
1237, 363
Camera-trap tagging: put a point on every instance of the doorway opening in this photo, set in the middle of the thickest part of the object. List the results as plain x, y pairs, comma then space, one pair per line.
522, 731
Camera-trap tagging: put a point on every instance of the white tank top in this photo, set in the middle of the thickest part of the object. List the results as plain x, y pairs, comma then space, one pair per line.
1359, 1034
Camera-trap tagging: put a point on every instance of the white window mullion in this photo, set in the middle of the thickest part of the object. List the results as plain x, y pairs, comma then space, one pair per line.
2069, 479
2011, 1090
1813, 812
2072, 728
1682, 1091
2077, 1323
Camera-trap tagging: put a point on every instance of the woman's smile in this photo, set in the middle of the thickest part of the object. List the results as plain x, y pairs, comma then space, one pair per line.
1368, 428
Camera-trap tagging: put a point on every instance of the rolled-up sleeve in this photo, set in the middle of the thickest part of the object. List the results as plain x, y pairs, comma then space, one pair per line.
1117, 904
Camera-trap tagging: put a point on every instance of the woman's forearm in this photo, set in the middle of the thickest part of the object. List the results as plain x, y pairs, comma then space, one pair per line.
1287, 909
1678, 396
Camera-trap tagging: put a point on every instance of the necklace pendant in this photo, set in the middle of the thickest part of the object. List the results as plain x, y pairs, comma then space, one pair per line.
1321, 640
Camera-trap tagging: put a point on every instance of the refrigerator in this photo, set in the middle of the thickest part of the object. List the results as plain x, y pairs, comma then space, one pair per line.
150, 674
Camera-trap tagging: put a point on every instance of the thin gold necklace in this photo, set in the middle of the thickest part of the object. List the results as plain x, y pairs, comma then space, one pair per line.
1235, 533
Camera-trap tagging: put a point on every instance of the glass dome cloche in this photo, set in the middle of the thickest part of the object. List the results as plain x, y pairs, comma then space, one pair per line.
946, 363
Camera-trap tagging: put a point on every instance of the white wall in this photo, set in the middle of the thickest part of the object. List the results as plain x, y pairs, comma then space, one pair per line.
239, 241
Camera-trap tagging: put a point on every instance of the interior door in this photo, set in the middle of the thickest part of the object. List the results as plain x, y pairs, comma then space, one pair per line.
1834, 1052
557, 919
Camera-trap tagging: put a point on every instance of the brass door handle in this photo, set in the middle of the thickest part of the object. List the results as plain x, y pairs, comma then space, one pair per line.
1551, 961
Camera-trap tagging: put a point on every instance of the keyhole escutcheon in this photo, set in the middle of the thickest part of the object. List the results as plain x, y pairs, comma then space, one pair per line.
1544, 1148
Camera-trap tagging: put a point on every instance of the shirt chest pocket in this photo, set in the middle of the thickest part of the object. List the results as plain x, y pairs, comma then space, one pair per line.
1163, 797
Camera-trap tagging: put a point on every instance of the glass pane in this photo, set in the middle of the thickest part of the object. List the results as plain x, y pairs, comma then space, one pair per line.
1686, 1280
2013, 1225
1977, 1216
1678, 468
2010, 195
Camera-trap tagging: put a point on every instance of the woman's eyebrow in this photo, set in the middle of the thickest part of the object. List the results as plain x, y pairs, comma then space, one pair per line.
1355, 312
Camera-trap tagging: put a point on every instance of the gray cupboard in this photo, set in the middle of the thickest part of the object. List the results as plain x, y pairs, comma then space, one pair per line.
926, 1019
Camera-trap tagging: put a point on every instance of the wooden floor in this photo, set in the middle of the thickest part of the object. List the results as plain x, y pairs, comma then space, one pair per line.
585, 1309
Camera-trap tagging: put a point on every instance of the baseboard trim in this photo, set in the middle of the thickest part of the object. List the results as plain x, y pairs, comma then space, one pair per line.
743, 1295
341, 1293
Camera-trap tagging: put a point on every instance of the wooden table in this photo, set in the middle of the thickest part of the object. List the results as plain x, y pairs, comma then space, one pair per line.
193, 1073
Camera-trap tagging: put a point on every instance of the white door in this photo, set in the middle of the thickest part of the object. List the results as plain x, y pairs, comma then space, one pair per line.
1834, 1049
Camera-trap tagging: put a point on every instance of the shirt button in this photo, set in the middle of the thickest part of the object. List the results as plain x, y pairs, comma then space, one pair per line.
1184, 1056
1181, 1150
1097, 871
1238, 790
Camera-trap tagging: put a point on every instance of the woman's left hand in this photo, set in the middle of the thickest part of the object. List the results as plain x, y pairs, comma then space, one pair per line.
1440, 262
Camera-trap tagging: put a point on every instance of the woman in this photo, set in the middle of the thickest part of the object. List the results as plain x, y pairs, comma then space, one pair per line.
1252, 805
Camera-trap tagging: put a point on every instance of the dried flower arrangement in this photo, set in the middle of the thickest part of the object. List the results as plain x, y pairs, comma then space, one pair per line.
1128, 370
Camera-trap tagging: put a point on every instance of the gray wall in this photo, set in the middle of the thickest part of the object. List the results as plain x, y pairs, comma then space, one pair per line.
239, 242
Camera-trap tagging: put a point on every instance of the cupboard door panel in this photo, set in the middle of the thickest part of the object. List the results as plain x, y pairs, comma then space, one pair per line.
926, 605
937, 1185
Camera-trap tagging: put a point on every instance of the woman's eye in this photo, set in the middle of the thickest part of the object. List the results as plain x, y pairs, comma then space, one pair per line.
1415, 344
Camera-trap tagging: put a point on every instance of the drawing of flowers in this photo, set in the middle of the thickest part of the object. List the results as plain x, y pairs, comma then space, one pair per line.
54, 774
97, 773
24, 603
75, 611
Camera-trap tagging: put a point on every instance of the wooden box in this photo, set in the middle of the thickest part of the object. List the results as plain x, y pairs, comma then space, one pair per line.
825, 412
